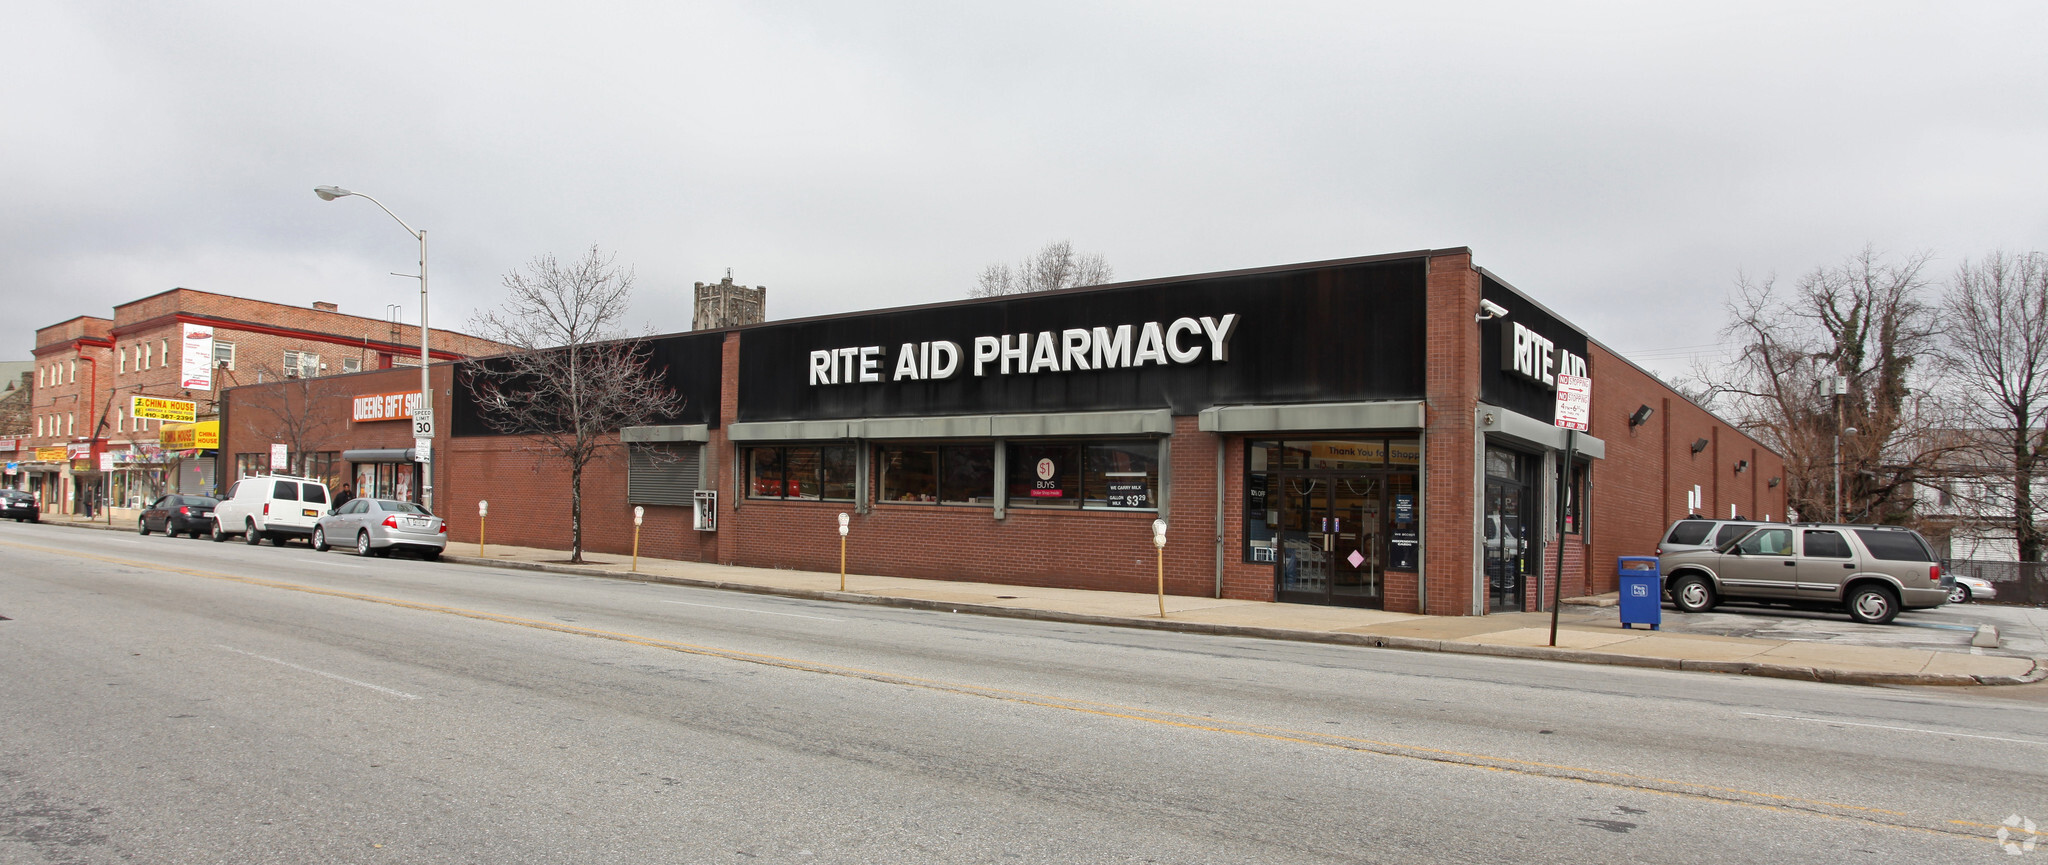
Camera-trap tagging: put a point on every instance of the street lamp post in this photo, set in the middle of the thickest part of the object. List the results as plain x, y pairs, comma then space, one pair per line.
330, 193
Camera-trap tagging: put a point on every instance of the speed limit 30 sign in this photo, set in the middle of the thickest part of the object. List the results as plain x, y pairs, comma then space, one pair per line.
423, 424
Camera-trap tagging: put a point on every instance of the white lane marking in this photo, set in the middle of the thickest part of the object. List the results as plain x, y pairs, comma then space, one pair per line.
762, 612
319, 672
1899, 729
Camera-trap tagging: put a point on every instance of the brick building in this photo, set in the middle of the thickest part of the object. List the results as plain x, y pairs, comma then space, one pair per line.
88, 442
1374, 432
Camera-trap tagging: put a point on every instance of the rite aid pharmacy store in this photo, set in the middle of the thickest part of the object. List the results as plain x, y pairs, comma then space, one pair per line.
1372, 432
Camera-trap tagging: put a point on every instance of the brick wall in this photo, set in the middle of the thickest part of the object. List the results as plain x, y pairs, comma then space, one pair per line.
1452, 378
1640, 488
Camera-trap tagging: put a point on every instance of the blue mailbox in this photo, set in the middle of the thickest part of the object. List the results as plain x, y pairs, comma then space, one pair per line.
1642, 591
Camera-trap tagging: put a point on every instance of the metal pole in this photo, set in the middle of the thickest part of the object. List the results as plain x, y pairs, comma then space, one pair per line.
1571, 447
426, 385
842, 562
1838, 450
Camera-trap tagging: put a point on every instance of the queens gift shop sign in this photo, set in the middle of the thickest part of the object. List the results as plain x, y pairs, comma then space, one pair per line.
384, 406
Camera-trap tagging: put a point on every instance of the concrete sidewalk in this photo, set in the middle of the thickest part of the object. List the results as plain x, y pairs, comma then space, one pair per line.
1588, 633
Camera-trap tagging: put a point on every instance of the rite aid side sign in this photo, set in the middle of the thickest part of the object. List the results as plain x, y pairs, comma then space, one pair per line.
1574, 401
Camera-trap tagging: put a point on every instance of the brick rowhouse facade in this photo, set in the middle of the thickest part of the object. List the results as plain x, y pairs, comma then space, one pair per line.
1352, 432
140, 353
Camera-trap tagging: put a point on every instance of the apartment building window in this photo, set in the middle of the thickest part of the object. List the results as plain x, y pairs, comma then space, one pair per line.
39, 427
223, 354
74, 372
351, 364
163, 350
120, 420
301, 364
123, 352
70, 423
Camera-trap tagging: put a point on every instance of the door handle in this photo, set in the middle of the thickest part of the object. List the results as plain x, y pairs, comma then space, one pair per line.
1790, 564
1849, 565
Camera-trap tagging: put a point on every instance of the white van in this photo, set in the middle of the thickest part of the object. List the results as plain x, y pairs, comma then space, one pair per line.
278, 507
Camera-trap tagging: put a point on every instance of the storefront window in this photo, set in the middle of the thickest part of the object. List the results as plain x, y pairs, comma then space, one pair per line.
1292, 487
950, 474
1122, 474
800, 472
910, 473
1045, 475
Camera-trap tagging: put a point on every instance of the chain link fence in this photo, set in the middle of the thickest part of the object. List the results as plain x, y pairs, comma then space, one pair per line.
2024, 583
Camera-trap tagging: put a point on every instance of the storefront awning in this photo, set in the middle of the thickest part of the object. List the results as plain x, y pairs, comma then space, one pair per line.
1314, 417
1093, 423
381, 455
1501, 422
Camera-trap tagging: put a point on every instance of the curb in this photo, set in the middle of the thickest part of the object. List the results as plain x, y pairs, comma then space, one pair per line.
1373, 641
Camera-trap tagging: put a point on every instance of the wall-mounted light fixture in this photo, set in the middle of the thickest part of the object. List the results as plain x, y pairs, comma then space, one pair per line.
1699, 445
1642, 416
1489, 309
1741, 466
1774, 482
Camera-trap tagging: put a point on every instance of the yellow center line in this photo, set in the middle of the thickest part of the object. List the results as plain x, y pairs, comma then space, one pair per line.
1555, 771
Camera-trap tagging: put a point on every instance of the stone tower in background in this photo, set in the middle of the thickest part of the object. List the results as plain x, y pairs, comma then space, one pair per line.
723, 304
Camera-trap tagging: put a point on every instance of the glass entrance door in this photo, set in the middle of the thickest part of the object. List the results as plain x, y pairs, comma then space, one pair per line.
1506, 537
1332, 540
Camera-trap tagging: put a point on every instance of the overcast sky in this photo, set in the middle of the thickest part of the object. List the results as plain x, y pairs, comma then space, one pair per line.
1620, 163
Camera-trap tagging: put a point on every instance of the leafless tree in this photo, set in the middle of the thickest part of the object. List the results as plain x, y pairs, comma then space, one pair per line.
1863, 320
1996, 354
285, 412
1055, 266
576, 378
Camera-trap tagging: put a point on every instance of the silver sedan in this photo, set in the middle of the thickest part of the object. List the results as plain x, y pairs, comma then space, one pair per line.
378, 526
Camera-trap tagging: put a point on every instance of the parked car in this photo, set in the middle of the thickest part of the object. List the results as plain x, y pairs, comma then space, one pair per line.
277, 507
1969, 589
20, 507
176, 515
1871, 572
378, 526
1702, 533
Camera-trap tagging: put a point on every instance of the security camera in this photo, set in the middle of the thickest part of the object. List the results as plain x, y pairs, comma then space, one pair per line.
1489, 309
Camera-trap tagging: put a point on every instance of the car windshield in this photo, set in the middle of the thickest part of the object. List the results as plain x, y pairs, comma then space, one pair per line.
402, 507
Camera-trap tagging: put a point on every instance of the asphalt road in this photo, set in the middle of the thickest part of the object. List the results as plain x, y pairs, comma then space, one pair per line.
182, 701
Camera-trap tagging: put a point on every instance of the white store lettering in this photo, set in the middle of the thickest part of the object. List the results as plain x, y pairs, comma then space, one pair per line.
1182, 341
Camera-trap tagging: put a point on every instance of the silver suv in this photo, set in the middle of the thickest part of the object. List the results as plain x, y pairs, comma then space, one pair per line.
1871, 572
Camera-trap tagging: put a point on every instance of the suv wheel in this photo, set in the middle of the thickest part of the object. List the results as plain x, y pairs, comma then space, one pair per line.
218, 534
1693, 594
319, 539
1959, 595
251, 536
1873, 604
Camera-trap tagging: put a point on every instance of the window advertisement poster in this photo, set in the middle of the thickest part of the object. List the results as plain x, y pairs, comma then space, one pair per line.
1046, 485
1404, 509
1128, 490
197, 371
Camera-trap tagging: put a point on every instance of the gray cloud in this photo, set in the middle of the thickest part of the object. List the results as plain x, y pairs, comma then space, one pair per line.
1619, 162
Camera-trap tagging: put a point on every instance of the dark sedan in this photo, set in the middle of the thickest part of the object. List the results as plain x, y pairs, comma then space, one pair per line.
19, 506
176, 515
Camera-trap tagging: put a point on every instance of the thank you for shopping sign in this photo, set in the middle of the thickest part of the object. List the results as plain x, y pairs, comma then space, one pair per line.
1574, 402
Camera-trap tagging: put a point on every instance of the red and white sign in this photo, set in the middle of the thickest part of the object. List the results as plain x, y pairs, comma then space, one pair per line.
279, 458
385, 406
1574, 402
197, 371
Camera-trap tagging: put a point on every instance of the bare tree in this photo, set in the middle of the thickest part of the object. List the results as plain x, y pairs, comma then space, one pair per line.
1055, 266
1863, 321
1997, 357
286, 413
576, 378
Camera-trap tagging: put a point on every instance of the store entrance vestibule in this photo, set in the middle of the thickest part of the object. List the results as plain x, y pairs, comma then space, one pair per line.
1332, 517
1510, 559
